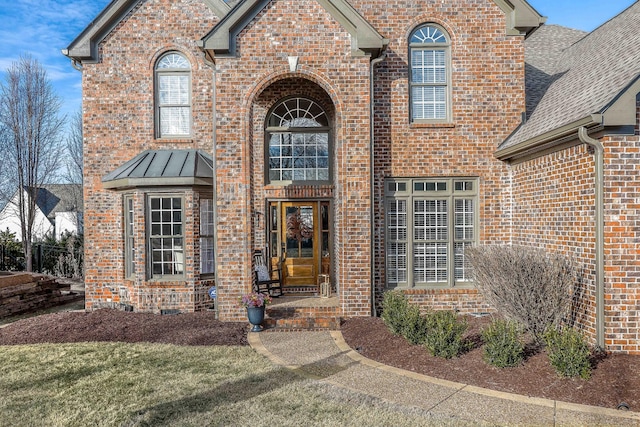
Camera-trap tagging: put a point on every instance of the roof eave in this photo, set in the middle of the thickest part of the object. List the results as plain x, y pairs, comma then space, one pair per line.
620, 112
546, 140
128, 183
84, 48
220, 41
521, 17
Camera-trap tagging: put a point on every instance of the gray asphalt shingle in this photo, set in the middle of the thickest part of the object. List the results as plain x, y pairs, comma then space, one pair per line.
570, 77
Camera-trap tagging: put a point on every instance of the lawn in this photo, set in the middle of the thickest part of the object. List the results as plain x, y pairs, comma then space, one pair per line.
107, 384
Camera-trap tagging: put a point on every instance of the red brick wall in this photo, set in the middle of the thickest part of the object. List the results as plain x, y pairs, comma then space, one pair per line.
487, 98
487, 81
118, 120
554, 209
247, 86
622, 250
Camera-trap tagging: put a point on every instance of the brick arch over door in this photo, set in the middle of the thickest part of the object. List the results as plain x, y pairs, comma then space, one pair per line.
272, 94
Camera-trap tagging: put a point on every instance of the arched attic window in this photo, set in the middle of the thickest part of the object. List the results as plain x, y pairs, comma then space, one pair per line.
173, 96
430, 74
298, 142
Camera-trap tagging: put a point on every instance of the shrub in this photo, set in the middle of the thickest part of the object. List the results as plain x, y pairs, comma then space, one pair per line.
503, 346
395, 306
445, 334
415, 327
524, 284
568, 352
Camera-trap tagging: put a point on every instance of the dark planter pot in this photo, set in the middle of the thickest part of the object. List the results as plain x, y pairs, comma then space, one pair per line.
256, 317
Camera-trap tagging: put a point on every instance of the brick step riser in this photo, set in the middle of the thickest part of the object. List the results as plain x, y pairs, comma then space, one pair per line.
302, 318
302, 323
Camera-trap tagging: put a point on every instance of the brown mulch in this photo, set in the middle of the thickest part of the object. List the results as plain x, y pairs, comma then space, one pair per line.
199, 328
615, 379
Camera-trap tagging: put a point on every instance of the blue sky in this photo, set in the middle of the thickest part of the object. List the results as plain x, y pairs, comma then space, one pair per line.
42, 28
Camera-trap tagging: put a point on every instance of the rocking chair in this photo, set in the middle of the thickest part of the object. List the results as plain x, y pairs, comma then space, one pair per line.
265, 279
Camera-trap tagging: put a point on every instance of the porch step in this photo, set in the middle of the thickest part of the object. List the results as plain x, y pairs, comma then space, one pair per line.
289, 318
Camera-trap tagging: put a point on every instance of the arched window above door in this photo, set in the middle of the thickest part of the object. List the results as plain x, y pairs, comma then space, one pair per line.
297, 136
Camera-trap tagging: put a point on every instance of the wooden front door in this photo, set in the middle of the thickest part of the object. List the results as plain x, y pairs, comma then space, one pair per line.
300, 238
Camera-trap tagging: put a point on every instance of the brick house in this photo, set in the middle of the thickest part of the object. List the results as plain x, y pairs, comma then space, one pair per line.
368, 140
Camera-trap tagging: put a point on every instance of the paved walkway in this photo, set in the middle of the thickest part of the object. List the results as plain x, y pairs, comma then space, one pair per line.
325, 356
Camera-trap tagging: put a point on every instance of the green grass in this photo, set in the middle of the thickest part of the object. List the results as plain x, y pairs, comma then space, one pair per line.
116, 384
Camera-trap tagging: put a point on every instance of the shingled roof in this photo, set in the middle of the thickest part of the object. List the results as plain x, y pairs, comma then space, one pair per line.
575, 81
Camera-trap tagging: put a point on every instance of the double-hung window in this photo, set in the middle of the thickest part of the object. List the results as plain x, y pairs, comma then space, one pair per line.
206, 236
166, 235
173, 96
429, 75
429, 223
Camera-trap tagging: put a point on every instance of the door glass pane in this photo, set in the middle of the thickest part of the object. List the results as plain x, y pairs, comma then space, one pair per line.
299, 223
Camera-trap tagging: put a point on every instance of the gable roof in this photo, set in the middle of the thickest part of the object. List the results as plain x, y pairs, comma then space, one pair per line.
521, 18
53, 198
593, 83
221, 39
163, 168
85, 47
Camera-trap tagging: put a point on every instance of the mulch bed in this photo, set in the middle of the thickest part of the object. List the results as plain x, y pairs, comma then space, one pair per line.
615, 379
199, 328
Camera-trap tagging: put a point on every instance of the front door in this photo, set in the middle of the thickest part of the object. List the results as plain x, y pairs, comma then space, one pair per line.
300, 238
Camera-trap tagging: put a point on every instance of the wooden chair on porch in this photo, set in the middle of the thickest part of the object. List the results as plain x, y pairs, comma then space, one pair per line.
266, 280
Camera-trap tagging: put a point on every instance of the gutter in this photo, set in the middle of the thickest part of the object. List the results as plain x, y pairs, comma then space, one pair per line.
546, 140
210, 63
599, 230
374, 62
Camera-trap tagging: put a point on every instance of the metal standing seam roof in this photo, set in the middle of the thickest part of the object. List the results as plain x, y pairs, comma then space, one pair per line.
163, 168
588, 77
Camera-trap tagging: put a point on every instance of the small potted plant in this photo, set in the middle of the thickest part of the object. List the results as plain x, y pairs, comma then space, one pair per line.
255, 304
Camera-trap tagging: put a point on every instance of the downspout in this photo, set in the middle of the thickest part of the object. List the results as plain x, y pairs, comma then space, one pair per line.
374, 62
213, 167
74, 64
599, 230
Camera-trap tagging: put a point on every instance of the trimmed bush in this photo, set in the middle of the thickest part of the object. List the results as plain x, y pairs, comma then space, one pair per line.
525, 284
415, 328
568, 352
445, 334
395, 306
503, 346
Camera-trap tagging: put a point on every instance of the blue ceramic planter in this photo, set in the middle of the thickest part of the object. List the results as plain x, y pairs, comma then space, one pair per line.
256, 317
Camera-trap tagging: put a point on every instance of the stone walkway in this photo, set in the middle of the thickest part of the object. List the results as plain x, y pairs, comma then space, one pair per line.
326, 357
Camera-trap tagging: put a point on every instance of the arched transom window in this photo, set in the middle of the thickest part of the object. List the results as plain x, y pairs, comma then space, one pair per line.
173, 96
430, 87
298, 142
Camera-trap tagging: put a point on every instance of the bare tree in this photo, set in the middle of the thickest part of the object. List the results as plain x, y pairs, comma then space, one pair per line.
30, 131
74, 159
74, 150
